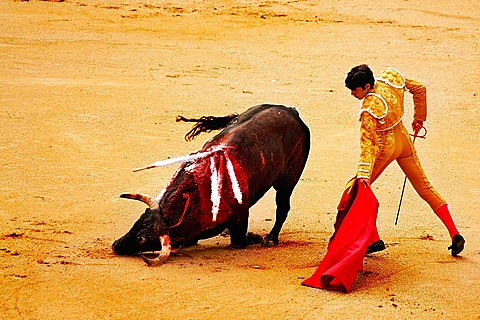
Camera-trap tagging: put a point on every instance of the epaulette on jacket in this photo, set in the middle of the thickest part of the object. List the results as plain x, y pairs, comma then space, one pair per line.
393, 78
375, 105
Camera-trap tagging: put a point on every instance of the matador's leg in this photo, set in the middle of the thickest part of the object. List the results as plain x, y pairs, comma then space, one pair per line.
387, 153
415, 174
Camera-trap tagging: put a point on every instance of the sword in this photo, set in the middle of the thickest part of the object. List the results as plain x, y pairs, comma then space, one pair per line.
415, 136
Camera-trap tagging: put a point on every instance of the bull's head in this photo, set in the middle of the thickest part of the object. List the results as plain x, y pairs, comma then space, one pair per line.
147, 234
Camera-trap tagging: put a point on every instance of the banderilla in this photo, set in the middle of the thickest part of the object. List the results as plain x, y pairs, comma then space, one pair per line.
415, 136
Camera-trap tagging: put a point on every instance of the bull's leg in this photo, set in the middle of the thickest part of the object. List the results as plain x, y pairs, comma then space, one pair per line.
252, 238
282, 199
238, 231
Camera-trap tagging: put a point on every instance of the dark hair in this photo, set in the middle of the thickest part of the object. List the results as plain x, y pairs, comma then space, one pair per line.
359, 76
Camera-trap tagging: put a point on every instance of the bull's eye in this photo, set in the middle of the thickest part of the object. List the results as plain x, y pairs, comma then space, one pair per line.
141, 240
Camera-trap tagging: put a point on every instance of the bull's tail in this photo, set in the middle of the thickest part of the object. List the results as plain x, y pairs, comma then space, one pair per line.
206, 124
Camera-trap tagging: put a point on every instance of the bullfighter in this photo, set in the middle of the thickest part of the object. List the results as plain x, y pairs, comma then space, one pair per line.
384, 138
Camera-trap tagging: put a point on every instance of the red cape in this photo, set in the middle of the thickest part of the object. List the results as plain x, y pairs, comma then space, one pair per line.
355, 230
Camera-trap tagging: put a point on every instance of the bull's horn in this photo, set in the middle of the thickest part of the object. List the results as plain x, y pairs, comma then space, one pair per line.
163, 256
151, 202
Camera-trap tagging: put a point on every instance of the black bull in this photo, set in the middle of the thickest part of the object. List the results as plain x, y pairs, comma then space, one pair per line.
265, 146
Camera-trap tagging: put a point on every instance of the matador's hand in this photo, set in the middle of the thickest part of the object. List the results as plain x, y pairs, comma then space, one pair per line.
416, 126
364, 181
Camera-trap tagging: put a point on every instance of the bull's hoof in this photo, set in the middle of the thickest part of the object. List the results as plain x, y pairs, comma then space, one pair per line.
238, 245
253, 238
270, 241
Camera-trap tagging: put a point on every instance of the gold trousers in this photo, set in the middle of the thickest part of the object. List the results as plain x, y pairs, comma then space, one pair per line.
395, 144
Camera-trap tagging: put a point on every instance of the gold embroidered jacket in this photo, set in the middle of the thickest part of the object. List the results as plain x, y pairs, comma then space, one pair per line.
382, 110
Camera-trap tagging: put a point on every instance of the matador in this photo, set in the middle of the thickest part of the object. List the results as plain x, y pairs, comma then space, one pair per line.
384, 138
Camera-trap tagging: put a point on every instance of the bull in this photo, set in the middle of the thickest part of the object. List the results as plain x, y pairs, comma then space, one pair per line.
266, 146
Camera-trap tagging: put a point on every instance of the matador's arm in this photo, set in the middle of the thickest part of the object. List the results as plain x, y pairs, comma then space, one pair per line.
368, 145
419, 92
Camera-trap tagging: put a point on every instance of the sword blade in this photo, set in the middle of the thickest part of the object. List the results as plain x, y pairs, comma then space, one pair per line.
404, 184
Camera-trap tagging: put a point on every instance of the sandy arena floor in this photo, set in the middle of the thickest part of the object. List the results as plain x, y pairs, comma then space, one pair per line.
90, 90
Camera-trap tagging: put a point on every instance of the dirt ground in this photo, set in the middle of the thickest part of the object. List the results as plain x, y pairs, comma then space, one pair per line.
90, 90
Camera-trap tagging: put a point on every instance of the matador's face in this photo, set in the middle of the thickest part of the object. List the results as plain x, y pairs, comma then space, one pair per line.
360, 92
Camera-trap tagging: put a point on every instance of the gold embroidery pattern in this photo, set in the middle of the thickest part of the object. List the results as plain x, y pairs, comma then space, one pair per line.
393, 78
368, 146
375, 105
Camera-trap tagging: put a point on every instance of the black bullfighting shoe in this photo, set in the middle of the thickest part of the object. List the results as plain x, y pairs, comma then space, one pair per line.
375, 247
457, 245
